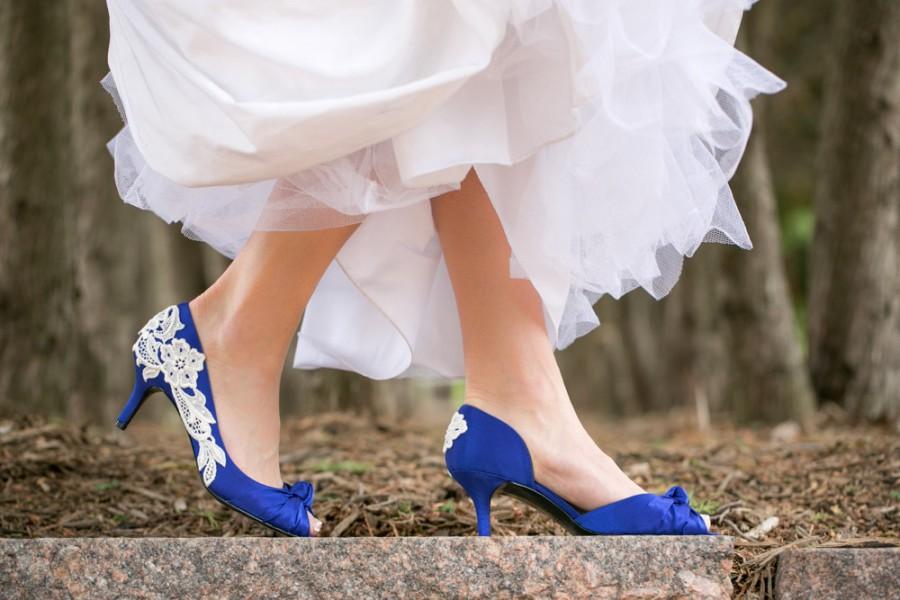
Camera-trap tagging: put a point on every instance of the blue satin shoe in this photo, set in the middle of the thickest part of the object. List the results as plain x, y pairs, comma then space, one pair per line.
169, 358
485, 455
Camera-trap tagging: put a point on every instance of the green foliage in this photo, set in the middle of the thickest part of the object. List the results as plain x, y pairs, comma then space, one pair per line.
210, 517
797, 228
342, 466
706, 507
458, 392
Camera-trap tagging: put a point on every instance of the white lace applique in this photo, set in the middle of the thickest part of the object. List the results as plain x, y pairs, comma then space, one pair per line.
158, 351
455, 429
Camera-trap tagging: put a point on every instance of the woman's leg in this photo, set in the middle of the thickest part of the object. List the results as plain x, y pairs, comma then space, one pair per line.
511, 371
246, 321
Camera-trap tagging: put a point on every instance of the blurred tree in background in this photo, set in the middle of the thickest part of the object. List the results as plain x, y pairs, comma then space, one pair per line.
854, 299
818, 188
37, 282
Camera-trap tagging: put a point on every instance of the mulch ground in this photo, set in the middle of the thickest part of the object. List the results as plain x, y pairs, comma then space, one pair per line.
771, 489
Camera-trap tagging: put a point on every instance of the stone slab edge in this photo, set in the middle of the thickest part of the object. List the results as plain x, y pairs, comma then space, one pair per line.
447, 567
824, 573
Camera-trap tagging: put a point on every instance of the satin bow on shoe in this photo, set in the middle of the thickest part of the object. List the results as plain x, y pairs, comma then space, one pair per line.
303, 492
681, 514
297, 506
647, 514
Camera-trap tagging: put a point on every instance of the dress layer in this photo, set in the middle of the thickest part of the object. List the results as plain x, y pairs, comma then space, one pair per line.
604, 132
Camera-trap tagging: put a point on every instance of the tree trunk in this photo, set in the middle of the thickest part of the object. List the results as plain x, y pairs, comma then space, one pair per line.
106, 250
173, 266
697, 362
641, 326
770, 380
855, 271
80, 271
36, 272
596, 367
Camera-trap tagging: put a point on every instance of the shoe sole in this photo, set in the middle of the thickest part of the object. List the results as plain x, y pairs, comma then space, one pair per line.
544, 504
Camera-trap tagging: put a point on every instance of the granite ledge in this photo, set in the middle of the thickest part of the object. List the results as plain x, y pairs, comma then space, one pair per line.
446, 567
839, 573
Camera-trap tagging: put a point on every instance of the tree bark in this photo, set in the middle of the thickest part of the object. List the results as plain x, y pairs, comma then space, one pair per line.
106, 250
697, 362
599, 376
855, 264
36, 273
769, 378
80, 271
641, 326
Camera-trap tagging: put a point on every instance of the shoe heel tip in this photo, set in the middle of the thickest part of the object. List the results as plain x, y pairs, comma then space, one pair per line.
121, 424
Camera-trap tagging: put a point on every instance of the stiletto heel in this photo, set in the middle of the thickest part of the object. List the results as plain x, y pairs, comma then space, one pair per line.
484, 455
480, 487
168, 357
138, 395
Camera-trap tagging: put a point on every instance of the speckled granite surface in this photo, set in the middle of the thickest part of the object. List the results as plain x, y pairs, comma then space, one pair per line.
839, 573
444, 567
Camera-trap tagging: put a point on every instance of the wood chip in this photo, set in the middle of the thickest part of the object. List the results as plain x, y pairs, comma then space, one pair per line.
345, 523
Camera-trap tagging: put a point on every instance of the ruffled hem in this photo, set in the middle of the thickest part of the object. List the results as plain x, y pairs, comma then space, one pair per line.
605, 133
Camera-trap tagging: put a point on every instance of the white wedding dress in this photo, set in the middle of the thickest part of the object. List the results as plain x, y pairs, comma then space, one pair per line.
604, 131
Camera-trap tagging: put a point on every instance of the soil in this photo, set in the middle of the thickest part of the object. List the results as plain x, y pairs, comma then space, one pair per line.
837, 486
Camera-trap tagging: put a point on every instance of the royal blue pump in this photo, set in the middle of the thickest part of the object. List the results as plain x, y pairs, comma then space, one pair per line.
169, 358
485, 455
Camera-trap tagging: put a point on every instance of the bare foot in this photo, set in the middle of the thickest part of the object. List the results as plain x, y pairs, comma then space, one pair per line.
566, 459
246, 396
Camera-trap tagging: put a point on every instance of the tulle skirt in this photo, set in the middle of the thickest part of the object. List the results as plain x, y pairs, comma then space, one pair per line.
604, 132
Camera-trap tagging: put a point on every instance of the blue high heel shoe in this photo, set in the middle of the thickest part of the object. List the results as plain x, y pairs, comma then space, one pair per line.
485, 455
168, 358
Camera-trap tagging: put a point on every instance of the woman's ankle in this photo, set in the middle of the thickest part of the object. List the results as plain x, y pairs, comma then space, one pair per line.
537, 398
233, 340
